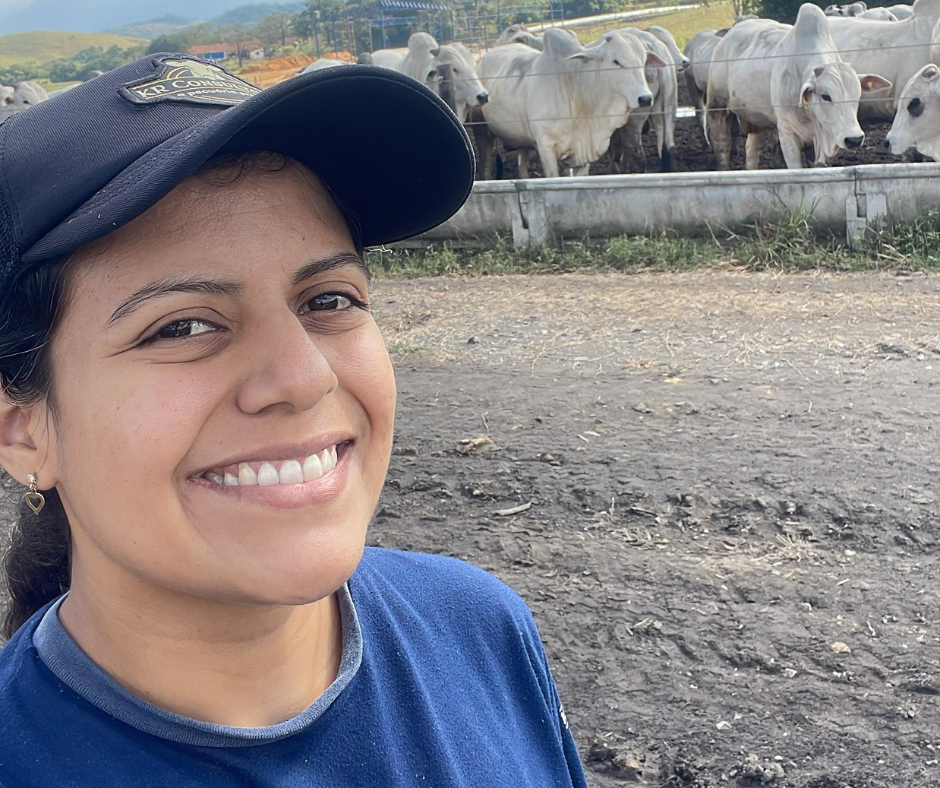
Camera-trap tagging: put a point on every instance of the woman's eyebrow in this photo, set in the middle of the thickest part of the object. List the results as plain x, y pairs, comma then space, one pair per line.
173, 284
198, 284
321, 266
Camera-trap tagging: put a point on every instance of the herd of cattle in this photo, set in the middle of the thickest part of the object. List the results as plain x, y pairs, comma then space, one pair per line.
794, 86
801, 86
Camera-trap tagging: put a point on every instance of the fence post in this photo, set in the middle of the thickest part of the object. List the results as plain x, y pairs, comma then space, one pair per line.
864, 212
529, 224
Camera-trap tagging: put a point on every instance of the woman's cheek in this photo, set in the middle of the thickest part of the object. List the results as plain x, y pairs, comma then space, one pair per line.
148, 422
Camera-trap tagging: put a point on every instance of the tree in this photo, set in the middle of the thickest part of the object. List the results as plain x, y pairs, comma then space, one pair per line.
236, 35
781, 10
274, 29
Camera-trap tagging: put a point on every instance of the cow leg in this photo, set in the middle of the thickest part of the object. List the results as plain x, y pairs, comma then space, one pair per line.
752, 147
702, 119
549, 160
792, 151
719, 134
631, 141
658, 122
669, 141
617, 149
698, 101
581, 170
485, 144
525, 163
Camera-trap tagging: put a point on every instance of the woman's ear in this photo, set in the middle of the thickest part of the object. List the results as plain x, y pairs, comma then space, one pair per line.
26, 442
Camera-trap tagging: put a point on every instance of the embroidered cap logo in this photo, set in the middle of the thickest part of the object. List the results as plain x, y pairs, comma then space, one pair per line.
190, 82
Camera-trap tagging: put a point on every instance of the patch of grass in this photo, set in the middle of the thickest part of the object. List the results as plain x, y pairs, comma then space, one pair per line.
914, 245
43, 46
682, 24
788, 243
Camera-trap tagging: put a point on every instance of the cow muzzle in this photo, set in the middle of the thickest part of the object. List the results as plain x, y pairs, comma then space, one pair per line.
645, 100
483, 97
854, 142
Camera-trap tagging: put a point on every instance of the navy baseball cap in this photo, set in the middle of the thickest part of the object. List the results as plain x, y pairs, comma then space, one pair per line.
81, 164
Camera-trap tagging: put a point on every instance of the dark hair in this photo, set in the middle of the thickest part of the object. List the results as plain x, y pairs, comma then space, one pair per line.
37, 562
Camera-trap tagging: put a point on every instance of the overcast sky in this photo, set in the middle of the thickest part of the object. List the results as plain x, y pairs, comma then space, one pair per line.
12, 5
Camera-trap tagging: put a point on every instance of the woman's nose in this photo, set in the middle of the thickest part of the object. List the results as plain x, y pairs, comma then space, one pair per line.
283, 366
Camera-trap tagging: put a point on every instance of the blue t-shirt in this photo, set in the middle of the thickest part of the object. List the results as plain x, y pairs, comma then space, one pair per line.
443, 682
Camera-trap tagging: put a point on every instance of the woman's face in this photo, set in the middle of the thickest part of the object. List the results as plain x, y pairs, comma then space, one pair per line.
224, 400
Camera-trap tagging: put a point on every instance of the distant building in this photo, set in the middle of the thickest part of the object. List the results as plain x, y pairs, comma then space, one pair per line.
251, 50
219, 51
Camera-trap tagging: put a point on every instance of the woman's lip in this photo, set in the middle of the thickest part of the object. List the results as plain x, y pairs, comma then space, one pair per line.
288, 496
284, 452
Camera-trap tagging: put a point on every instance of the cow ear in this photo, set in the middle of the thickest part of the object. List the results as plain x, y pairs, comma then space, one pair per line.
652, 59
585, 56
872, 82
806, 93
930, 73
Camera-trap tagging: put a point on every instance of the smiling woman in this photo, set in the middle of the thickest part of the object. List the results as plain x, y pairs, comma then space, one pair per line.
197, 417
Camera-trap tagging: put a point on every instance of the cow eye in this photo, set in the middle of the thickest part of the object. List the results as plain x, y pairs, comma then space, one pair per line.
916, 107
616, 62
826, 97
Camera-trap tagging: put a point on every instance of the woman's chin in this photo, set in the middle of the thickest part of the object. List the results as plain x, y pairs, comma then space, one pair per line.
298, 581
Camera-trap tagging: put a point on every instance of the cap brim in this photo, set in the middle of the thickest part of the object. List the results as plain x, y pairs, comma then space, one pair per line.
386, 146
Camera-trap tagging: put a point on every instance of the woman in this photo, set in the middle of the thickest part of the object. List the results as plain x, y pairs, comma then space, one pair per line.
197, 412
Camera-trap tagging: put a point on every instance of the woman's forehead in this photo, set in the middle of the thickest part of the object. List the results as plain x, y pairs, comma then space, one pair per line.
253, 222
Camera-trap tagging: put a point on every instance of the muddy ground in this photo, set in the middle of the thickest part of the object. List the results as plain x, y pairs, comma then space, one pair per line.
732, 543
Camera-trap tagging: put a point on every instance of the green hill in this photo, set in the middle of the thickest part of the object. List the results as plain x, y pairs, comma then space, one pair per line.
154, 28
43, 47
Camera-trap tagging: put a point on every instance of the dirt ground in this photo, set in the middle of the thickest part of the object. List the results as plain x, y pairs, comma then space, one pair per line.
731, 535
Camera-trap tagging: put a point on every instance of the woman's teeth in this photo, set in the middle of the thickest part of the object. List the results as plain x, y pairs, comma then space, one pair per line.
267, 474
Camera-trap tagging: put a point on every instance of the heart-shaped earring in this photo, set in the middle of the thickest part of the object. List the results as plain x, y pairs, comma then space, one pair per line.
35, 500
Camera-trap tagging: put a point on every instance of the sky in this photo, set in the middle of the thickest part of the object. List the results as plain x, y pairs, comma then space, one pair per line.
12, 5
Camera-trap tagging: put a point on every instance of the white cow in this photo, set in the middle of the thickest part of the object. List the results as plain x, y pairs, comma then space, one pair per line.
917, 122
788, 78
901, 11
519, 34
626, 144
422, 59
678, 58
699, 51
846, 10
323, 63
22, 95
566, 101
895, 50
878, 13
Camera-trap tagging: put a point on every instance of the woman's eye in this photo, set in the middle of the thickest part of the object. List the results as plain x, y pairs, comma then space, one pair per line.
328, 302
184, 328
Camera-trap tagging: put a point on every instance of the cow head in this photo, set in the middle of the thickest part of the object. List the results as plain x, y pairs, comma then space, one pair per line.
621, 59
519, 34
465, 84
917, 122
829, 96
